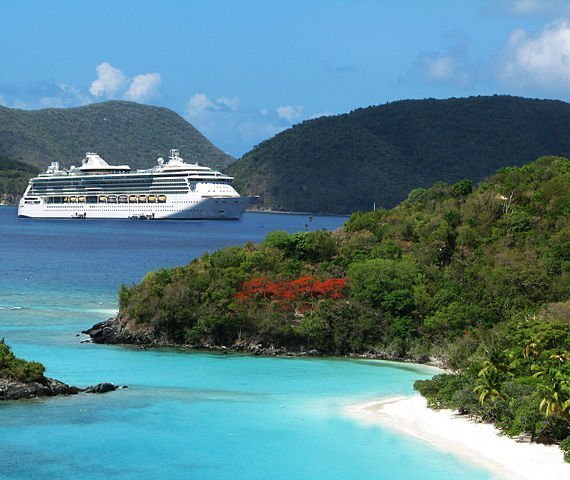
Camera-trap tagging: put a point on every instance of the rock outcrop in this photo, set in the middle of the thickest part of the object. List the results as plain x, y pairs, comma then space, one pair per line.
117, 331
47, 387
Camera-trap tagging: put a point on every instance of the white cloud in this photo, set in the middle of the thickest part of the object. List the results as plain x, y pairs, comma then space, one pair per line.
198, 105
438, 67
143, 87
109, 81
451, 67
541, 60
254, 130
538, 7
290, 112
231, 103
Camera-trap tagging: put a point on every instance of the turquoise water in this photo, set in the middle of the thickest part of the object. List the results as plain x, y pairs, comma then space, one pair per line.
184, 415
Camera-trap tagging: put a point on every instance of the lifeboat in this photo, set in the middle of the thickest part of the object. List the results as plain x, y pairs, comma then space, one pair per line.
133, 199
112, 199
161, 198
81, 199
102, 199
152, 198
123, 199
73, 199
65, 199
142, 198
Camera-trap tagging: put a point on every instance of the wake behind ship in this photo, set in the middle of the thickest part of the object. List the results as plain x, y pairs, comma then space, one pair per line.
173, 189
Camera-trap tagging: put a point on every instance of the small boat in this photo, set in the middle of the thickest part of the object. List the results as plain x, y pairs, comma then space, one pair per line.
77, 215
81, 199
142, 198
161, 198
102, 199
152, 198
142, 216
133, 199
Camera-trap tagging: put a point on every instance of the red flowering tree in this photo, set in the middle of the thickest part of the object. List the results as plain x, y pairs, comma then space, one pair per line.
299, 289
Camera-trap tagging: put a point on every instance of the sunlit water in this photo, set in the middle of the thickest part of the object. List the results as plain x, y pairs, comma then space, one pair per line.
184, 415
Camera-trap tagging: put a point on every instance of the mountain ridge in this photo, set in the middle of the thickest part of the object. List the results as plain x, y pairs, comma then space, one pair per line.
377, 154
120, 131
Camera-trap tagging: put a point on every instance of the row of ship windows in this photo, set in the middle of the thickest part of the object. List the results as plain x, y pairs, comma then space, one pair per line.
118, 209
108, 199
126, 189
117, 192
110, 184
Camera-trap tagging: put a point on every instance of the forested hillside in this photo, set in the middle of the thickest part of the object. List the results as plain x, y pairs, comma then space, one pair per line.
477, 278
14, 178
378, 154
121, 132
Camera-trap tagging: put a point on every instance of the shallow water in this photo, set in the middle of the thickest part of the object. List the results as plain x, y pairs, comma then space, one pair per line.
184, 415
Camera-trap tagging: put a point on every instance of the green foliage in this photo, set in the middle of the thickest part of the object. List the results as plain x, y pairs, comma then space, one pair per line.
565, 447
462, 188
14, 177
441, 391
374, 279
15, 368
315, 247
377, 155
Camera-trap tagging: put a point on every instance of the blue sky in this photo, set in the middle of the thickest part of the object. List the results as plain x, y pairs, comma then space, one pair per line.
241, 71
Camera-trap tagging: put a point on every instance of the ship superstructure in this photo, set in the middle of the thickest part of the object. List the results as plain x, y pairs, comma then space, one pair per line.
171, 189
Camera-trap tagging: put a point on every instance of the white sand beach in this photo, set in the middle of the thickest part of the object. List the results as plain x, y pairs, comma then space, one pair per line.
478, 443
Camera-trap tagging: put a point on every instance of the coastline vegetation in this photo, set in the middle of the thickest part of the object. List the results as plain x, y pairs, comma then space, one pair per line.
476, 278
14, 368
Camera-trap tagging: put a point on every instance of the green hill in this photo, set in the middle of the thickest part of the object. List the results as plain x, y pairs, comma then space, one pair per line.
121, 132
378, 154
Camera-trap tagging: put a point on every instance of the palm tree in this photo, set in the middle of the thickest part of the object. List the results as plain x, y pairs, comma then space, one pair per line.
489, 384
555, 399
555, 387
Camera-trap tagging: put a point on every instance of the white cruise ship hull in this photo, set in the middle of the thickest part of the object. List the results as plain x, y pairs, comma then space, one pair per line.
182, 207
173, 189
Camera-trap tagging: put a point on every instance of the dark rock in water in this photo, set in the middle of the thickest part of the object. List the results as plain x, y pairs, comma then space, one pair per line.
47, 387
117, 331
101, 388
104, 332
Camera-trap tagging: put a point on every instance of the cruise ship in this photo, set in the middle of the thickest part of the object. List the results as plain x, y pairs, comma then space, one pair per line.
172, 189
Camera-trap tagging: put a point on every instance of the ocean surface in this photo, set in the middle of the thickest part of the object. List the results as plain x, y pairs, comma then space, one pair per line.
185, 415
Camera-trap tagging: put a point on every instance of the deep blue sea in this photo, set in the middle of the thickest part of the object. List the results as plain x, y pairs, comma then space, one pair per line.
185, 415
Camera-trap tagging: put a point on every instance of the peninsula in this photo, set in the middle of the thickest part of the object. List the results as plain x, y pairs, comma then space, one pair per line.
475, 278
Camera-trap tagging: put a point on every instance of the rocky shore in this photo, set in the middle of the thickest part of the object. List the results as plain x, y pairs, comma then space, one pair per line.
116, 331
47, 387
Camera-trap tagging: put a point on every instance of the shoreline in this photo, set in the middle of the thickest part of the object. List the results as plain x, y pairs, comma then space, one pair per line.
477, 443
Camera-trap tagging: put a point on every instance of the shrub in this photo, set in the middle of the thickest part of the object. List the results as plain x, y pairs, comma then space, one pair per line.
565, 447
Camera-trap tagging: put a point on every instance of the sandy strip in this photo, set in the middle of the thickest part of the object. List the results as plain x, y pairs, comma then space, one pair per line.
477, 443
